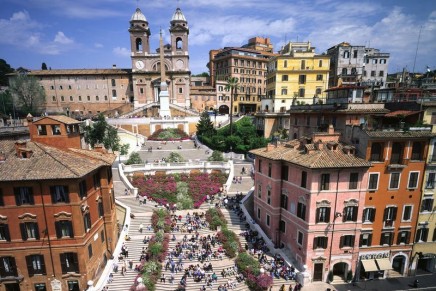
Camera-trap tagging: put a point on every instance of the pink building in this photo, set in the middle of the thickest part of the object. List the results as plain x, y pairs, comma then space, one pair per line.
309, 197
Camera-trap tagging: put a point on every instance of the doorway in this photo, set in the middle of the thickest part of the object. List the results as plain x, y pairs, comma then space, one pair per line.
398, 264
12, 287
317, 272
339, 270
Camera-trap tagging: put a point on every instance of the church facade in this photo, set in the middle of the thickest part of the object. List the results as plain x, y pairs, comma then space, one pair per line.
87, 92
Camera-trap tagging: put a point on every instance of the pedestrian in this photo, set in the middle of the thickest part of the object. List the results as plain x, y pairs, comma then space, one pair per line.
162, 278
141, 226
126, 252
126, 192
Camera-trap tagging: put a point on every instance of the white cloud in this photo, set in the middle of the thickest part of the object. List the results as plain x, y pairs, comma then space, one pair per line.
98, 45
121, 51
62, 38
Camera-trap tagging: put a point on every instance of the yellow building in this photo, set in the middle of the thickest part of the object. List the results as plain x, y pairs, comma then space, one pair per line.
296, 76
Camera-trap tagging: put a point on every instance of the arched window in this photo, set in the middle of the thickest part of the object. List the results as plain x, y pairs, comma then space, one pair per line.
346, 54
179, 43
138, 45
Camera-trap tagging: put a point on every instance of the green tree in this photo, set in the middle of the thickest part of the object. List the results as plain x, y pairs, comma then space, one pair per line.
134, 159
5, 69
205, 126
216, 156
6, 103
124, 149
175, 158
204, 74
44, 66
232, 85
100, 132
29, 97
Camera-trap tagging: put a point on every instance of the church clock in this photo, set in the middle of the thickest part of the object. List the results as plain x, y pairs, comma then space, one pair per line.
139, 65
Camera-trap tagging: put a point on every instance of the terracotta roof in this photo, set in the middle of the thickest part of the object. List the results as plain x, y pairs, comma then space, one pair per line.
401, 112
311, 157
48, 163
61, 118
400, 134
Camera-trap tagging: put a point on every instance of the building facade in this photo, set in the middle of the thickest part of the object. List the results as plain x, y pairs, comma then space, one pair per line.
308, 198
58, 222
297, 75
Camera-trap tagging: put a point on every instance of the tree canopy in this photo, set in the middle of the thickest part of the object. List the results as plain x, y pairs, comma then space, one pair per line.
44, 66
205, 125
29, 97
5, 68
100, 132
204, 74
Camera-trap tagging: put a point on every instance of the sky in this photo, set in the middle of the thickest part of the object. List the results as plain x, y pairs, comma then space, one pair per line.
77, 34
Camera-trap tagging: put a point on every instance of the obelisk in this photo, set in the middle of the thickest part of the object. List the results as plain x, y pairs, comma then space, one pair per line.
164, 97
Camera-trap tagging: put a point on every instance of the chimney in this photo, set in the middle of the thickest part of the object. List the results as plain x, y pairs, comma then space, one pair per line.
114, 66
270, 147
331, 129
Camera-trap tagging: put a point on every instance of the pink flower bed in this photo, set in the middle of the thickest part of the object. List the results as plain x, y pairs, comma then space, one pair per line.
162, 188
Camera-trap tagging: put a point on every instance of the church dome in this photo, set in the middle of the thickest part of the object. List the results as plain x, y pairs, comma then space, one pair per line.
178, 15
138, 16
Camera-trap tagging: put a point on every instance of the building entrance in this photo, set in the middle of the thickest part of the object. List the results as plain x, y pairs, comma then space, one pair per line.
317, 272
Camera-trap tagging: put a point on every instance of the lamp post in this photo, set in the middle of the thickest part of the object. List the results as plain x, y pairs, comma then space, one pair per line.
231, 153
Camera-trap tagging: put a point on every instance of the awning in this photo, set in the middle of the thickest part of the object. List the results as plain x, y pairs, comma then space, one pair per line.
369, 265
384, 264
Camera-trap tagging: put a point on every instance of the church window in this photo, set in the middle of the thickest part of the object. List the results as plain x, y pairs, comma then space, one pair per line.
179, 43
114, 93
141, 90
113, 82
88, 98
180, 90
139, 45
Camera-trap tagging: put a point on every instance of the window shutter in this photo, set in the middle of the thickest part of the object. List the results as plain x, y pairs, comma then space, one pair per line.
355, 213
76, 262
399, 238
7, 233
2, 268
408, 237
363, 213
17, 196
341, 243
13, 266
353, 238
31, 200
327, 213
326, 239
70, 227
67, 194
391, 238
317, 215
44, 272
372, 214
385, 214
394, 215
361, 240
63, 263
369, 239
29, 266
315, 243
36, 230
23, 231
58, 229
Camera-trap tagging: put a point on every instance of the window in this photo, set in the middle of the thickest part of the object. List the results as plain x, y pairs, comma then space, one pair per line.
96, 179
80, 98
284, 77
300, 237
88, 98
403, 237
97, 98
35, 265
397, 153
373, 181
284, 201
113, 82
421, 235
114, 93
269, 169
100, 209
62, 99
285, 172
56, 129
40, 287
180, 90
302, 79
365, 240
353, 181
267, 220
376, 152
344, 71
102, 235
64, 228
320, 63
323, 214
303, 64
258, 213
350, 213
303, 179
285, 63
372, 73
381, 73
355, 54
29, 230
346, 241
4, 232
23, 195
259, 191
368, 214
320, 242
282, 226
416, 151
268, 198
301, 92
82, 189
394, 182
284, 91
69, 263
319, 77
260, 166
73, 286
325, 181
42, 130
301, 210
427, 204
59, 194
430, 181
8, 267
413, 180
346, 54
87, 221
389, 216
90, 251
